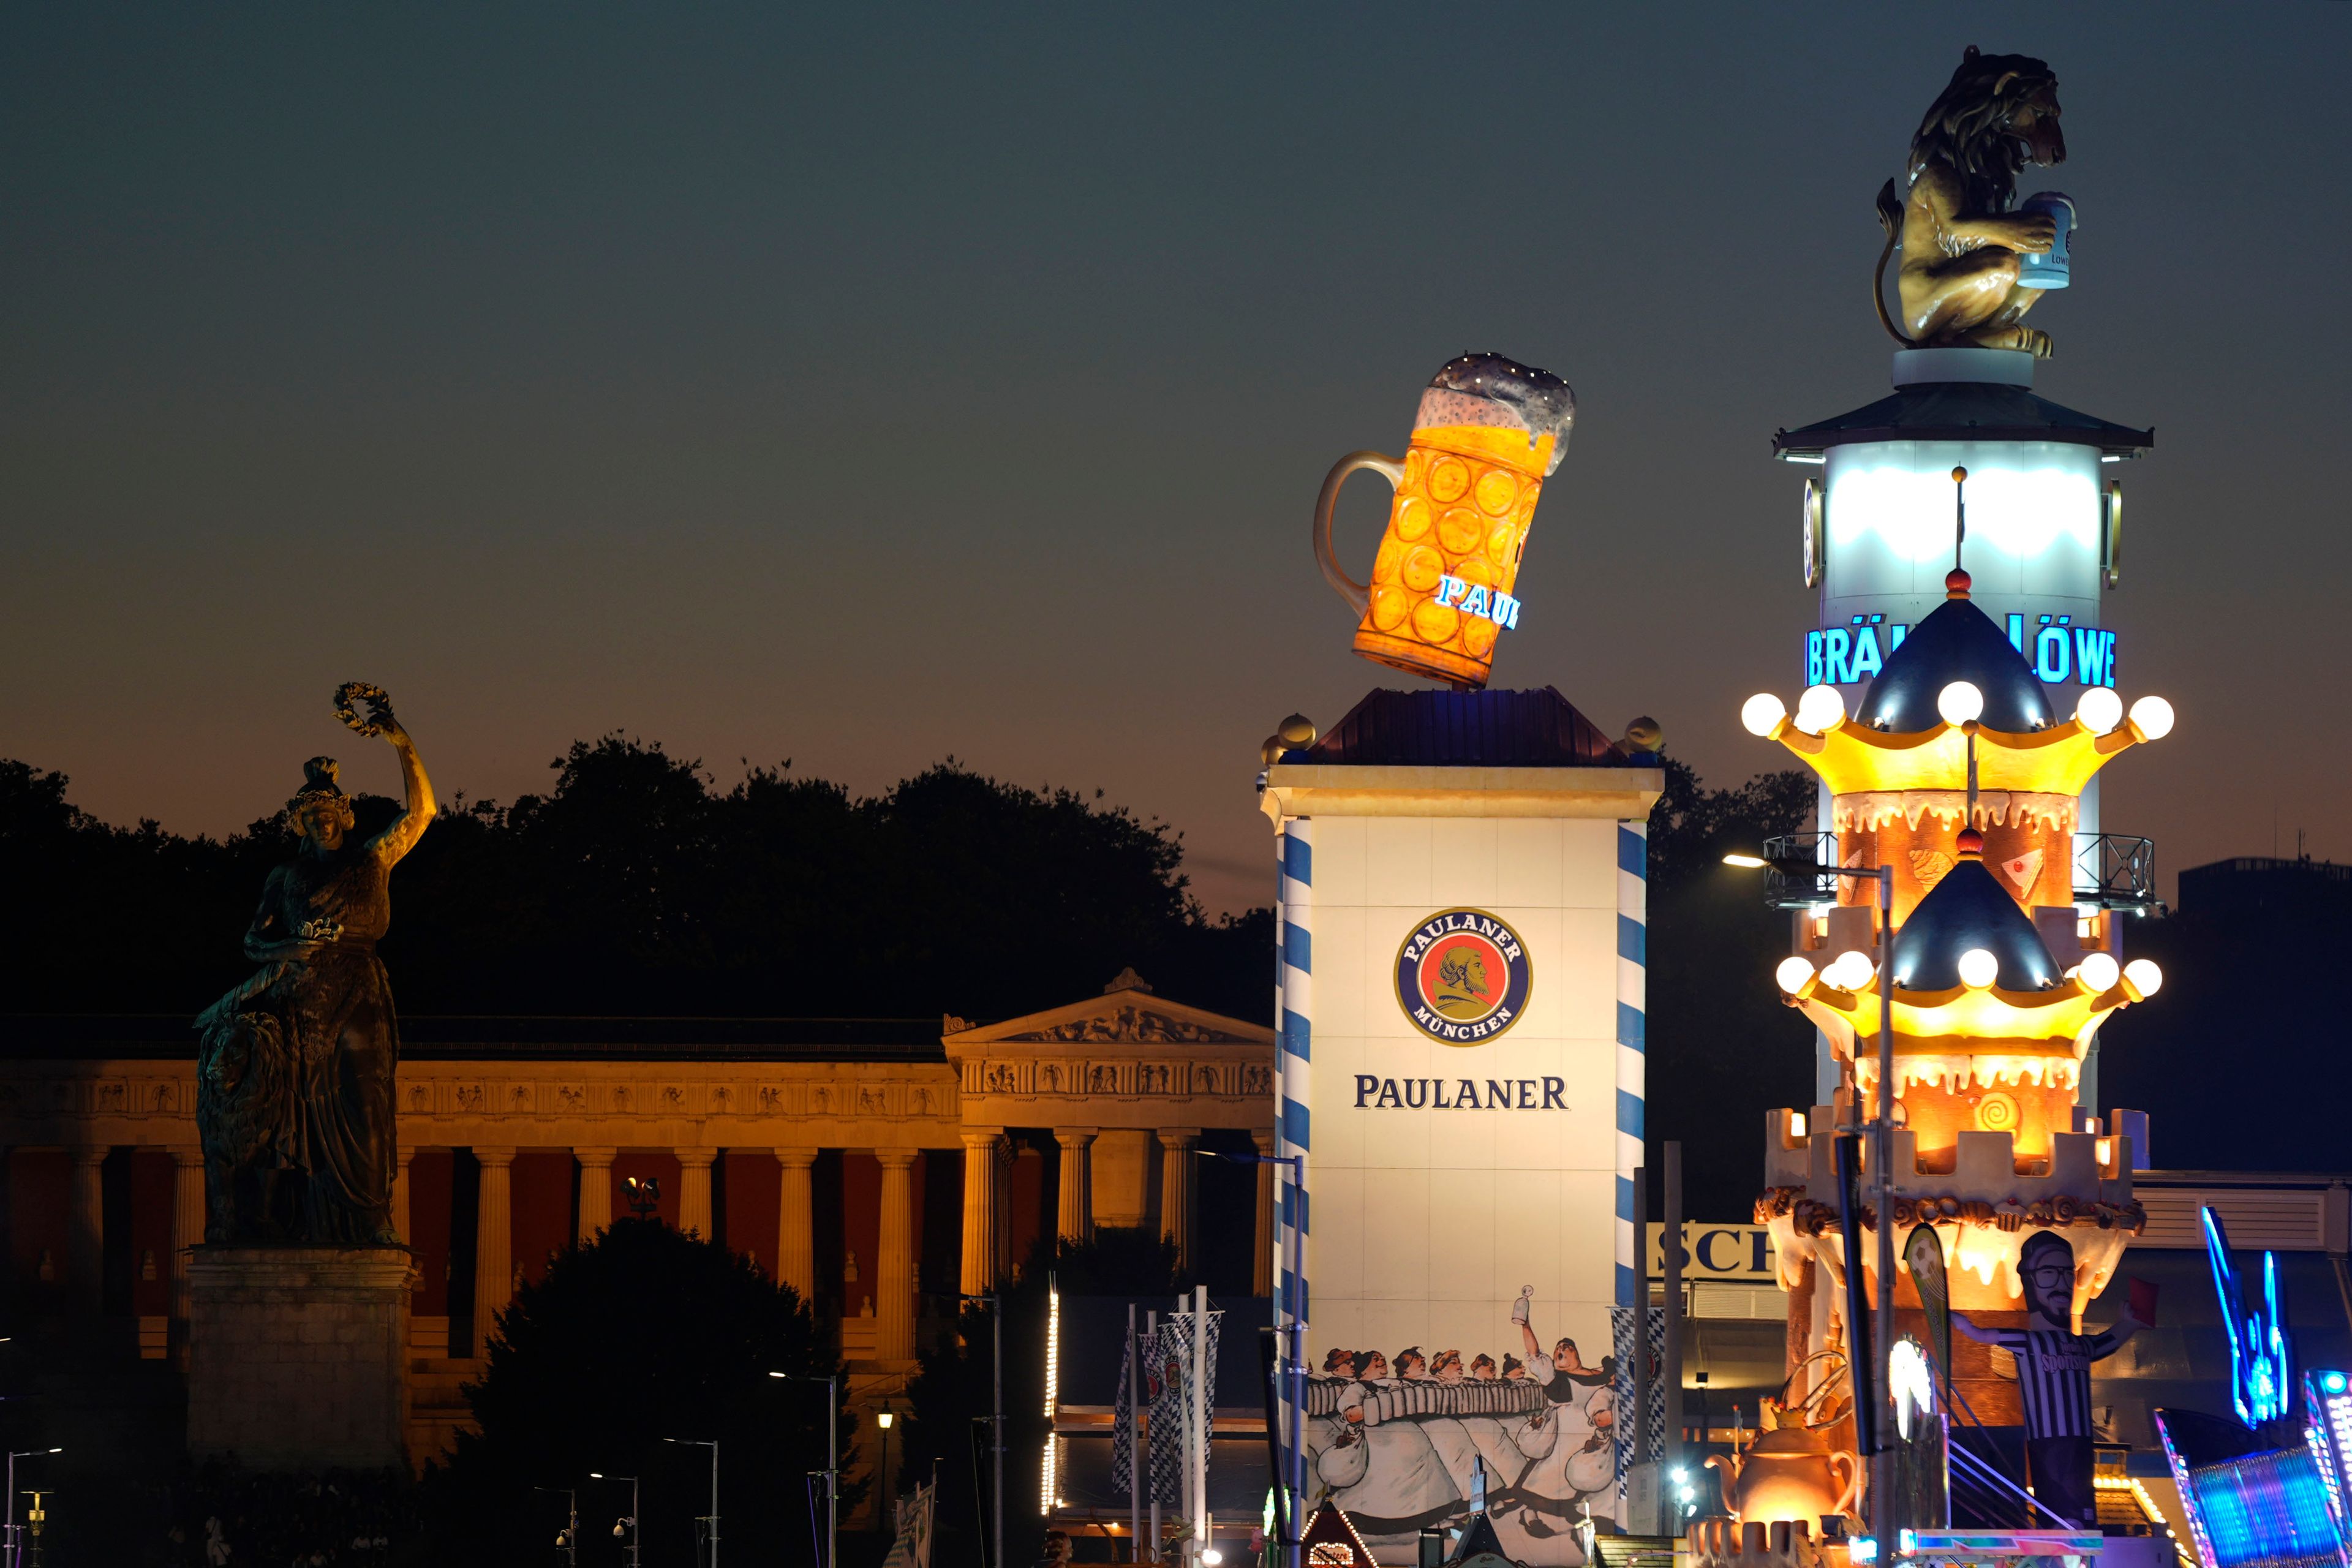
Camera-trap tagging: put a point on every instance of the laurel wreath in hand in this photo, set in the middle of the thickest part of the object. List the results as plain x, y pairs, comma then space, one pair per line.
379, 714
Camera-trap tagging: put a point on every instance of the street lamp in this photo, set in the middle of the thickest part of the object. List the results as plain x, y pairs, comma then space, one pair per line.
568, 1539
627, 1523
644, 1194
883, 1417
713, 1447
1293, 1527
1882, 1524
16, 1554
832, 1382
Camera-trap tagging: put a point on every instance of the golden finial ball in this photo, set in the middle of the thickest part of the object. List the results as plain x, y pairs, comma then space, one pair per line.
1959, 476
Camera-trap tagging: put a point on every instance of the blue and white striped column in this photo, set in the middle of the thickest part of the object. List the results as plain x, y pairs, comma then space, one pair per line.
1632, 1035
1294, 1012
1296, 925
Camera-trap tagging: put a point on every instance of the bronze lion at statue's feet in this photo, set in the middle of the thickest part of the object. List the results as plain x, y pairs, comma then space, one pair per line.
1960, 242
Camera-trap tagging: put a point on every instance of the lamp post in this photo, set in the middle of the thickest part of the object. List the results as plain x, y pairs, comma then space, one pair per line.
568, 1542
997, 1420
1885, 1528
644, 1194
713, 1447
1294, 1440
14, 1554
628, 1523
831, 1460
883, 1521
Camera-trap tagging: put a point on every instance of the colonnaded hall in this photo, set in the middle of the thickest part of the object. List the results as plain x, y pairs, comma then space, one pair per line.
881, 1167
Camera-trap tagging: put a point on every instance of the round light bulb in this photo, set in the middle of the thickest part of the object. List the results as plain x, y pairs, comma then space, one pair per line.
1760, 712
1820, 708
1852, 971
1959, 702
2100, 709
1792, 972
2144, 977
1979, 969
2099, 971
2154, 716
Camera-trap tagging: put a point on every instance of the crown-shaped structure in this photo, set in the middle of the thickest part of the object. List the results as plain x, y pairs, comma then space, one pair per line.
1955, 771
1955, 726
1912, 731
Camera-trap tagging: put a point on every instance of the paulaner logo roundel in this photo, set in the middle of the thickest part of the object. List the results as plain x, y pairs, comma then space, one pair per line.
1463, 977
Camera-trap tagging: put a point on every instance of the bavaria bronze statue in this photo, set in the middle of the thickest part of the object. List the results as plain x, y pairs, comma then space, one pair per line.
294, 1073
1971, 260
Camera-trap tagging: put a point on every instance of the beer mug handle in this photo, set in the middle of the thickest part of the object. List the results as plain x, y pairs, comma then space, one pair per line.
1358, 595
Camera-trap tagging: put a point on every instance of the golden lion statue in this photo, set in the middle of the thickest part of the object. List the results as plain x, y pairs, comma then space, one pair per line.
1960, 242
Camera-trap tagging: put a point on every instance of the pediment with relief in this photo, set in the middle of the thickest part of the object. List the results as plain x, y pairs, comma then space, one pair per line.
1126, 1013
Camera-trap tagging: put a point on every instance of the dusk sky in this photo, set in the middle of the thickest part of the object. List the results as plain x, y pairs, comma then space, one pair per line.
870, 384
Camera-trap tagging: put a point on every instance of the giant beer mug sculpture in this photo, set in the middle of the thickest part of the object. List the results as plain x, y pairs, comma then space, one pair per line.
1486, 435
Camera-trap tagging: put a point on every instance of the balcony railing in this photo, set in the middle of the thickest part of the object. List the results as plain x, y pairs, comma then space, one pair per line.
1787, 890
2112, 870
2115, 871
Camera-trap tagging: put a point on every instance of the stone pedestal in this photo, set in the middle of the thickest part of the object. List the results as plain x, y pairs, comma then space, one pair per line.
297, 1355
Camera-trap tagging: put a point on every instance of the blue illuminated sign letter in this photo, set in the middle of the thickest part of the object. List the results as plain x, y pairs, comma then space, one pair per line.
2260, 1384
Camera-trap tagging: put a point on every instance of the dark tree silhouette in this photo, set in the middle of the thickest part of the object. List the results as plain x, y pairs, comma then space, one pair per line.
641, 1335
1723, 1048
636, 887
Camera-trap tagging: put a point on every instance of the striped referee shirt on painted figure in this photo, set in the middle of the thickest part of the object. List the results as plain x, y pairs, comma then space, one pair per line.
2054, 1375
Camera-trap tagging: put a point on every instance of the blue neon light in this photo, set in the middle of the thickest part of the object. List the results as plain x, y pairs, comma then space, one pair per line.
2061, 653
2327, 1433
2262, 1385
1475, 599
2268, 1508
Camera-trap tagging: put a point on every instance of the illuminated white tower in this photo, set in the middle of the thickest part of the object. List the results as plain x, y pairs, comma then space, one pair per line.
2044, 545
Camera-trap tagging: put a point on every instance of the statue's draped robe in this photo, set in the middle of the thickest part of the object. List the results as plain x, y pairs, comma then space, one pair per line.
339, 1040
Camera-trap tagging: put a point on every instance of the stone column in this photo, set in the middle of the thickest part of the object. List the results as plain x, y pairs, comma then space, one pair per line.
187, 1219
1005, 1154
1262, 1270
979, 1206
86, 1250
1176, 1189
493, 1243
796, 1221
894, 1271
1073, 1223
595, 1190
401, 1156
694, 1191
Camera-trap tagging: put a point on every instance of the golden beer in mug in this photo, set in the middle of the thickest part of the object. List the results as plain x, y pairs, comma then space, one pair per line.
1487, 434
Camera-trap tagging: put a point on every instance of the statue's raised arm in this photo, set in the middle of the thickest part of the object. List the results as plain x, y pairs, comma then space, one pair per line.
1965, 282
401, 835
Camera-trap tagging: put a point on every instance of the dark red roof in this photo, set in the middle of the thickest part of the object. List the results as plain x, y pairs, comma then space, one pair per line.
1464, 729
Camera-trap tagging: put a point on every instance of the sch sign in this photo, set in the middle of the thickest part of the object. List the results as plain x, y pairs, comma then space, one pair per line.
1726, 1252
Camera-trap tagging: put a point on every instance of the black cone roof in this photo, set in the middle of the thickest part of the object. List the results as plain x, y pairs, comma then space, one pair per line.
1969, 909
1956, 642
